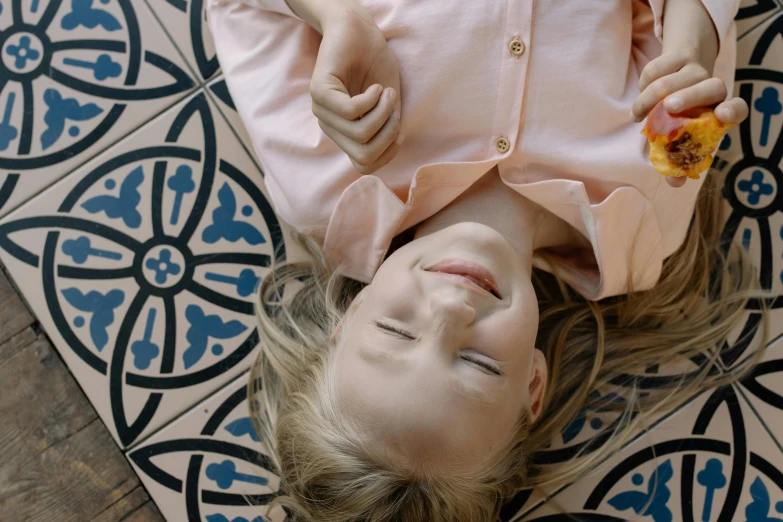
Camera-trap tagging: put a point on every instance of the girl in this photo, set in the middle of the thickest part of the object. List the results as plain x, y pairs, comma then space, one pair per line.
427, 356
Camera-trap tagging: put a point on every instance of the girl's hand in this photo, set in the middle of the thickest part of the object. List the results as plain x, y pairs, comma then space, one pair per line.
679, 79
682, 75
356, 88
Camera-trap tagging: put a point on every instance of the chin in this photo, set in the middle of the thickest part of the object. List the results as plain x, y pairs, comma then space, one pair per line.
472, 231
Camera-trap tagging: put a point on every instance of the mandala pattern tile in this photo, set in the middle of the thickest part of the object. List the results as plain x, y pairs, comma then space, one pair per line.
75, 77
755, 12
751, 156
187, 24
142, 265
712, 461
209, 464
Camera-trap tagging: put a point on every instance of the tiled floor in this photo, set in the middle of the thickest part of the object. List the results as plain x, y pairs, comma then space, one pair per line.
135, 225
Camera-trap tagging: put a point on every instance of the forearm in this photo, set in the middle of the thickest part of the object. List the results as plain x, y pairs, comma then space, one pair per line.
318, 13
688, 25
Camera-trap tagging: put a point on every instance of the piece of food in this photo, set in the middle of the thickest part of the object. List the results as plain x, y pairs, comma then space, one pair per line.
682, 144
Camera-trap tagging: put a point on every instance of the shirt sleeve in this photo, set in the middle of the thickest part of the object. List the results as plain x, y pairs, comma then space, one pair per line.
267, 60
273, 6
722, 13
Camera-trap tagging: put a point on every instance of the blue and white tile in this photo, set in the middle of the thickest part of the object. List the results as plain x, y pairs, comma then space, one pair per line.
751, 156
588, 431
711, 461
186, 22
752, 13
141, 266
763, 389
209, 464
75, 77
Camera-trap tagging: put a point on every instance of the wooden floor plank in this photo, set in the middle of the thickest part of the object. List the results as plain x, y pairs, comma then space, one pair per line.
58, 462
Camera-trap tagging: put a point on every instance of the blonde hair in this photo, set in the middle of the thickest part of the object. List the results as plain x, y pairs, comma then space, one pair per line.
329, 470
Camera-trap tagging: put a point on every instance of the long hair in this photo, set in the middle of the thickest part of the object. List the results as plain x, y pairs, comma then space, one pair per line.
331, 472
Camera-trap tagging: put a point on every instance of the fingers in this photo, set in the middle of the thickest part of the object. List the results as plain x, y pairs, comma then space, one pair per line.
734, 111
688, 76
703, 94
363, 129
372, 155
676, 182
334, 98
664, 65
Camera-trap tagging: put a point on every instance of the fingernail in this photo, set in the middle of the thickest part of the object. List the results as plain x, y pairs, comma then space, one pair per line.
400, 138
673, 104
390, 94
634, 118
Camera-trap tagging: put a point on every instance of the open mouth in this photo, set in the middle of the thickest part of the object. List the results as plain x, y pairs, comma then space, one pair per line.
471, 272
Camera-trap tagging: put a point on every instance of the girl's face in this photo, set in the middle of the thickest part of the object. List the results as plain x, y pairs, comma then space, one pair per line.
436, 356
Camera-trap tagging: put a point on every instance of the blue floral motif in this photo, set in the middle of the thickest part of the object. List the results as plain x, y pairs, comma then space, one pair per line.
758, 510
223, 518
651, 503
23, 52
100, 306
144, 350
80, 250
245, 284
768, 104
242, 426
712, 478
181, 183
102, 68
60, 110
225, 473
8, 132
83, 13
224, 226
122, 206
163, 266
755, 187
202, 327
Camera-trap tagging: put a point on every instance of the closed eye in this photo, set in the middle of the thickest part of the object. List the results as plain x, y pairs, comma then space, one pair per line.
483, 364
396, 331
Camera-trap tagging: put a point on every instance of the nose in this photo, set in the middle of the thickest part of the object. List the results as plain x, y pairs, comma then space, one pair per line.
450, 311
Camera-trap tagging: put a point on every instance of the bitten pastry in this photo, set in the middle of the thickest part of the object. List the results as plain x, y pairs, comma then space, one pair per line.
682, 144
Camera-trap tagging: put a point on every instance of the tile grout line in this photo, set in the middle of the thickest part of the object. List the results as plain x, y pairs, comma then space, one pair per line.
762, 22
140, 442
196, 74
250, 154
741, 393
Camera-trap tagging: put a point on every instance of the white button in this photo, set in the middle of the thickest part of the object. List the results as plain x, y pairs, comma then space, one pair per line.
517, 47
502, 145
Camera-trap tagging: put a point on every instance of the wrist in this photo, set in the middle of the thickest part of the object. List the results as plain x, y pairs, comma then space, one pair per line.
322, 13
687, 25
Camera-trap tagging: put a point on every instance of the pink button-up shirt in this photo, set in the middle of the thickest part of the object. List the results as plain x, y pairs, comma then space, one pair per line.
563, 105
